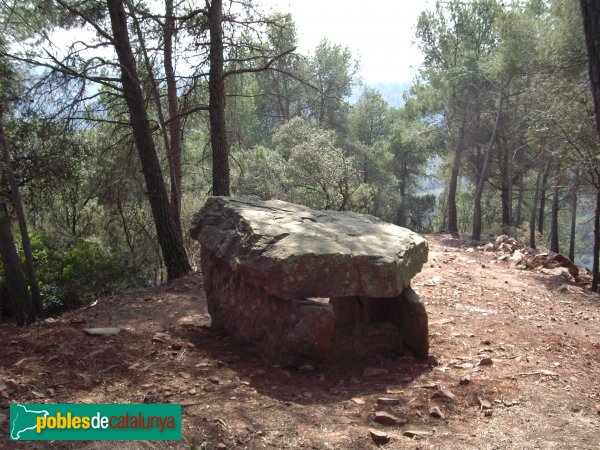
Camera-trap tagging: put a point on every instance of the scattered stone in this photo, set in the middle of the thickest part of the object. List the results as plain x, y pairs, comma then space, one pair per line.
436, 413
305, 368
598, 408
488, 413
436, 280
485, 404
516, 258
443, 394
214, 380
486, 362
385, 418
358, 401
109, 331
221, 446
379, 437
464, 381
394, 389
374, 371
388, 401
464, 366
502, 239
175, 346
415, 433
426, 386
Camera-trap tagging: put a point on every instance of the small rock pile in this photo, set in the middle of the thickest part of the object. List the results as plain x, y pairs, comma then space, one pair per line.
524, 258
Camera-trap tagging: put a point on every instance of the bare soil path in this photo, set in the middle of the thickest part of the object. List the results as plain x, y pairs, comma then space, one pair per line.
514, 365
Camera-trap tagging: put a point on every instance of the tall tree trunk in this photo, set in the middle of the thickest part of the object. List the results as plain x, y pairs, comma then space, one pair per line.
476, 235
216, 84
16, 285
458, 150
554, 247
590, 11
542, 212
596, 255
505, 187
174, 119
18, 205
169, 239
520, 197
536, 195
573, 215
164, 128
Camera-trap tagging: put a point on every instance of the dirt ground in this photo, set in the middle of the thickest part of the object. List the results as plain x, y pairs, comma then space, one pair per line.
514, 364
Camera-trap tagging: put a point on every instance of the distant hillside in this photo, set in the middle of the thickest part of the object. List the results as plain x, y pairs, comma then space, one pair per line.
391, 92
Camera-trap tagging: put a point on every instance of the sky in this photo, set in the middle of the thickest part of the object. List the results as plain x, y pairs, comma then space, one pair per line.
379, 32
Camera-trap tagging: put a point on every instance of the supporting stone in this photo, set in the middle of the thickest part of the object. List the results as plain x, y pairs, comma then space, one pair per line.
286, 330
405, 312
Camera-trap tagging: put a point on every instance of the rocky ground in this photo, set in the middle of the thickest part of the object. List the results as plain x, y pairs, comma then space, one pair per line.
514, 364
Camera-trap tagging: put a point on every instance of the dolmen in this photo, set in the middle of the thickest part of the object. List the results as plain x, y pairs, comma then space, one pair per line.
306, 285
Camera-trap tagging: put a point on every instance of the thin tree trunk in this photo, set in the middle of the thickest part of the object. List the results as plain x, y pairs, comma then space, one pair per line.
596, 255
505, 188
554, 247
155, 90
174, 119
573, 216
519, 211
216, 84
16, 285
169, 239
476, 235
543, 198
18, 205
536, 196
452, 188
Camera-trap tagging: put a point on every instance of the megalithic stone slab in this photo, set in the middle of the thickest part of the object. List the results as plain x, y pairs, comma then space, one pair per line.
292, 251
